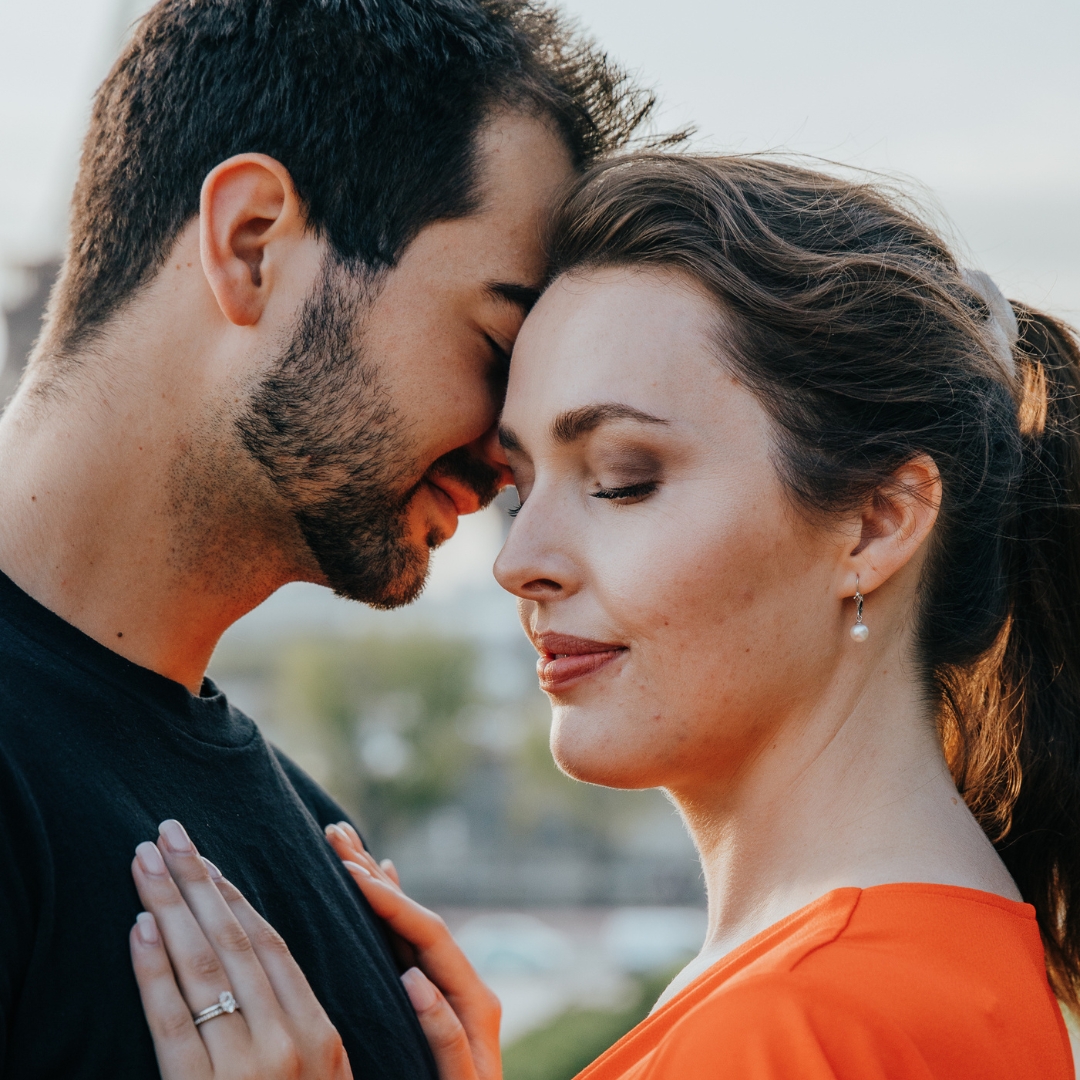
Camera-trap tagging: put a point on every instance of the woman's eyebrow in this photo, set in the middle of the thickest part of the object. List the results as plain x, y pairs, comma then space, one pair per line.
570, 426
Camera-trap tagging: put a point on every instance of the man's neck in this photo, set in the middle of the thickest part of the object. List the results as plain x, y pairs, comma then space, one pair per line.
135, 519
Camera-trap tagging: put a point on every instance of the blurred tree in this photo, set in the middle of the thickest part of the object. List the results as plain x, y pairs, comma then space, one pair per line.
445, 766
562, 1048
378, 717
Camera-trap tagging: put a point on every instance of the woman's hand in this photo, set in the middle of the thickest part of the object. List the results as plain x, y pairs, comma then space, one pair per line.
458, 1013
198, 938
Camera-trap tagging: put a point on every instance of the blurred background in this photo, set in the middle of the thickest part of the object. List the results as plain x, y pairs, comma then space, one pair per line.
577, 902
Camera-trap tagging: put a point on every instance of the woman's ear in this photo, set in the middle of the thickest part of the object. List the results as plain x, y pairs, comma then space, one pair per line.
248, 204
895, 525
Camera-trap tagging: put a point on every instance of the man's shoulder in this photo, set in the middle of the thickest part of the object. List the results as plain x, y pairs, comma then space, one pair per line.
24, 678
318, 802
42, 695
18, 652
30, 671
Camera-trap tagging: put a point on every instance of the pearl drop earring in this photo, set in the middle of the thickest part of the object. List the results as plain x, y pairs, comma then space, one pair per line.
860, 631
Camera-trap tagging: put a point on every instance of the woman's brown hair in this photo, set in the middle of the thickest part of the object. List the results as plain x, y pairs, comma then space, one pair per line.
853, 324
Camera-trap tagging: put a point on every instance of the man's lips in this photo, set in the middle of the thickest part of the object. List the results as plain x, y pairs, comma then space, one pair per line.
565, 659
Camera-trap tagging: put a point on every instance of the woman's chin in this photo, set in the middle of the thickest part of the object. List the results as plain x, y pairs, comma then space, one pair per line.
592, 761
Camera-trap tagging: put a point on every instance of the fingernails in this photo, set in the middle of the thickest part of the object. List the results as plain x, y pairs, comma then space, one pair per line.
356, 868
211, 869
421, 992
150, 858
146, 927
336, 830
175, 837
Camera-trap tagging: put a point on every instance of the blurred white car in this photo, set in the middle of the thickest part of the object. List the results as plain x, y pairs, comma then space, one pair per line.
514, 944
640, 939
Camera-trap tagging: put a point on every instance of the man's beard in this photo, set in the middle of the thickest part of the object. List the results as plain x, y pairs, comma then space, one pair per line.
325, 430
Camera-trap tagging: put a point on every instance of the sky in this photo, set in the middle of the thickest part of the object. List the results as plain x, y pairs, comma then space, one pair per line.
974, 106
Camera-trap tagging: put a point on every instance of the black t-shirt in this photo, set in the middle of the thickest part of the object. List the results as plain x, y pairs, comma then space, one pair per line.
94, 752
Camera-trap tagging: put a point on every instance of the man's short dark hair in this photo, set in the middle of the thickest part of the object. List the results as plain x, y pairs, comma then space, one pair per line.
372, 105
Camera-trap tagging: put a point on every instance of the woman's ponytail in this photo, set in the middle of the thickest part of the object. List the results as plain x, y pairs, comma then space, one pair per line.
1012, 719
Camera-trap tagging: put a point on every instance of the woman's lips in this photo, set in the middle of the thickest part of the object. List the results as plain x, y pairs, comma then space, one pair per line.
564, 659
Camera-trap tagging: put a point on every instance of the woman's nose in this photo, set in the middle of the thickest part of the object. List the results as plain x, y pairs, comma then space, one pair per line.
534, 563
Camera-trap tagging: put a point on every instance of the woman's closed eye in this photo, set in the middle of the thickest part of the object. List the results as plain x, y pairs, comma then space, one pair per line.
627, 493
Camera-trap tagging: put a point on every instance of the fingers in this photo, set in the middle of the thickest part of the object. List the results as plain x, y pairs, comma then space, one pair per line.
288, 982
226, 937
181, 1053
199, 971
345, 841
437, 953
316, 1037
445, 1034
406, 917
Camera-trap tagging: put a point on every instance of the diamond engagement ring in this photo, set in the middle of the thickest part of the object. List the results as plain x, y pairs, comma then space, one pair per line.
226, 1003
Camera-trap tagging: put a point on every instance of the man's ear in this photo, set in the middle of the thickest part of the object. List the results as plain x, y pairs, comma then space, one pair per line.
248, 203
894, 526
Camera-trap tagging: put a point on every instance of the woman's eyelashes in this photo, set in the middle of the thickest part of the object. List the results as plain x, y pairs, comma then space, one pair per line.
628, 492
638, 469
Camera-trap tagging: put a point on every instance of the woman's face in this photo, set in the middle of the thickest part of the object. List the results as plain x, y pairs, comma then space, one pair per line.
685, 615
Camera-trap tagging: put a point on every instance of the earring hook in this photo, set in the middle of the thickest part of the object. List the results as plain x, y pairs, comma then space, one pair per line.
860, 631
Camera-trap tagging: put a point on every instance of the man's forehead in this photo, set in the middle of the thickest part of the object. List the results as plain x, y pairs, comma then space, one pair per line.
523, 161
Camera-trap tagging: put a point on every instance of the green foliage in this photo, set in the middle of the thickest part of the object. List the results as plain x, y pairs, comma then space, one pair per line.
571, 1041
397, 728
544, 793
331, 695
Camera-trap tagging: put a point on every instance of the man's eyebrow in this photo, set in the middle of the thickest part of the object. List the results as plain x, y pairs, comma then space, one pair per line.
572, 425
522, 296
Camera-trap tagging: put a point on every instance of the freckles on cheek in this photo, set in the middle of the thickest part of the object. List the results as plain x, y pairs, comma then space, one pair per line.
684, 593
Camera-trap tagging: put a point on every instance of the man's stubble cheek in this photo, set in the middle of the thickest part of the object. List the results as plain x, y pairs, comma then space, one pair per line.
226, 523
323, 428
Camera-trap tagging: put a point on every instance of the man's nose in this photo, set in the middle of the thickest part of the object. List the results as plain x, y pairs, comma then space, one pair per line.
490, 451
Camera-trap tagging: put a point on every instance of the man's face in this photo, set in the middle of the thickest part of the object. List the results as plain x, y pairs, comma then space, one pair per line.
371, 423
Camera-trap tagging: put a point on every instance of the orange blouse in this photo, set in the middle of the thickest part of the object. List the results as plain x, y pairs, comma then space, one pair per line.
895, 982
